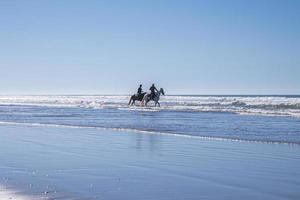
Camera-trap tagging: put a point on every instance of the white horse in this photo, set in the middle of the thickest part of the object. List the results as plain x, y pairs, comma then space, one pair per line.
148, 98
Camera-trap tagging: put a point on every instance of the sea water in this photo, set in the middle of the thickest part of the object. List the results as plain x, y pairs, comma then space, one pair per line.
274, 119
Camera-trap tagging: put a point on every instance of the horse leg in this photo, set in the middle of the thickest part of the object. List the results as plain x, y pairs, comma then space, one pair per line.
130, 101
143, 102
157, 103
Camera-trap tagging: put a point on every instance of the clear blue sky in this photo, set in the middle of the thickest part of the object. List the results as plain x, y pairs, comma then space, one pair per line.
187, 47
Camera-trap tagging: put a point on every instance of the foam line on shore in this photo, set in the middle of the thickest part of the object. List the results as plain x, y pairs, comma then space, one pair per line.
148, 132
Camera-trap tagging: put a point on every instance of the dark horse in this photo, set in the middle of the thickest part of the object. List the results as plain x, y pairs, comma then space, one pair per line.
136, 97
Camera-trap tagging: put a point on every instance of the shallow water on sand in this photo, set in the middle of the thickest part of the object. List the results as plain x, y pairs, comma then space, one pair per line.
70, 163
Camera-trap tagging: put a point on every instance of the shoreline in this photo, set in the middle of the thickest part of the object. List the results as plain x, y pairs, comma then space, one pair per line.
128, 130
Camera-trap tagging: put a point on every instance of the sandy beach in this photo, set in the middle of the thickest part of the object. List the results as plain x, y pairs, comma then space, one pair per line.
149, 100
85, 163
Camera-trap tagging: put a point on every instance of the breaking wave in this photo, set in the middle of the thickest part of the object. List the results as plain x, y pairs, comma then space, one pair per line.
253, 105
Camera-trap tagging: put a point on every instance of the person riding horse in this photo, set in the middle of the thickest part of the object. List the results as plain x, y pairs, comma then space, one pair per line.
154, 96
139, 91
138, 96
144, 97
152, 90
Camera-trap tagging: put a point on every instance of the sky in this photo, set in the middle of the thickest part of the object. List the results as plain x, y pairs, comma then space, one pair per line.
186, 47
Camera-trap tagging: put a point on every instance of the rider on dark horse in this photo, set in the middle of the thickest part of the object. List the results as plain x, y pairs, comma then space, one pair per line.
153, 89
138, 96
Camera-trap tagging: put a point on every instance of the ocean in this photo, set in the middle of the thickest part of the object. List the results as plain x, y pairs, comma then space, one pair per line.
269, 119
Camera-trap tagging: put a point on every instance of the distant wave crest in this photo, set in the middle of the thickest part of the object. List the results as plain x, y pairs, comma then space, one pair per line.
255, 105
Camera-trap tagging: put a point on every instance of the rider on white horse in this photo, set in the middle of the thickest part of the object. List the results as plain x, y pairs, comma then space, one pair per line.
150, 96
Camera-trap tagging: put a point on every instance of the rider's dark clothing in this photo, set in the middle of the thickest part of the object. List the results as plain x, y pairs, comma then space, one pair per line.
139, 92
152, 89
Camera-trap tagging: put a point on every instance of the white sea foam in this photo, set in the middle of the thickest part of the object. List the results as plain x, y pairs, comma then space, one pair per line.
253, 105
7, 193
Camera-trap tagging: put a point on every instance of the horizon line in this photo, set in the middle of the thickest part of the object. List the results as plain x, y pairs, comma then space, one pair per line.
173, 94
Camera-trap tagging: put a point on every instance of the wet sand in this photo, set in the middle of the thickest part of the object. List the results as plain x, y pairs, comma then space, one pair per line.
80, 163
